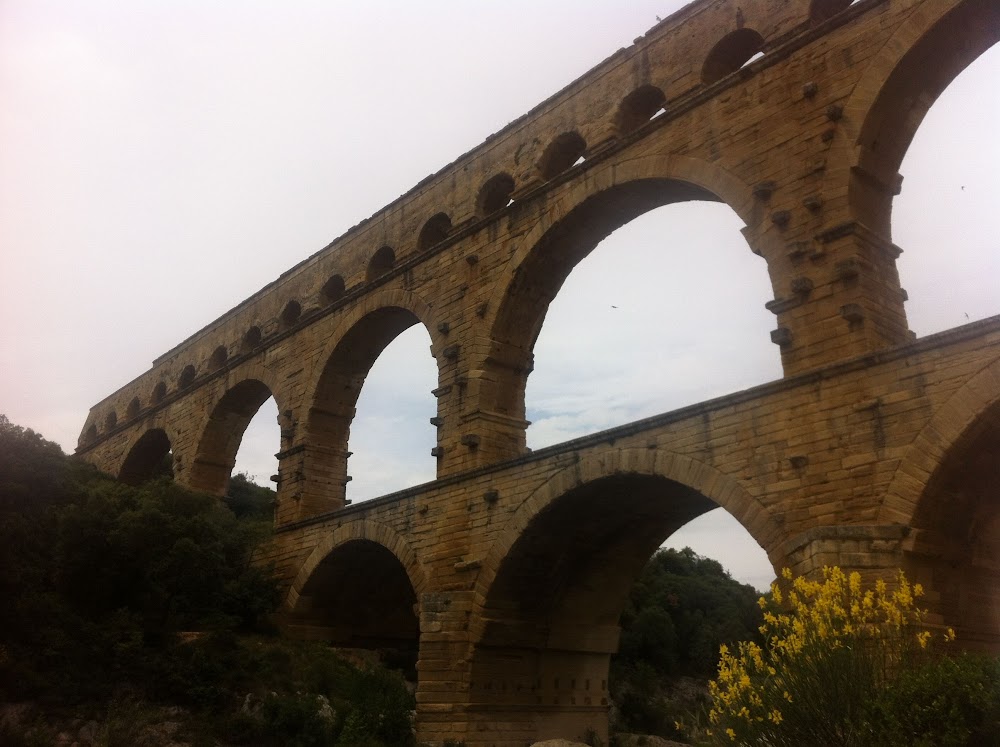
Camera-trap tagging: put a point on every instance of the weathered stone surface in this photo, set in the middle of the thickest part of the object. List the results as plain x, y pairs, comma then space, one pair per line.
874, 452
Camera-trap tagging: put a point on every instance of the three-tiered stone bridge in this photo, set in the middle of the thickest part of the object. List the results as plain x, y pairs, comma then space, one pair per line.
508, 573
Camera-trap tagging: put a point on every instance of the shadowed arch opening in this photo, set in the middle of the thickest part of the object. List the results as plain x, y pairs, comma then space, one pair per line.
360, 596
251, 339
958, 518
219, 357
565, 151
148, 458
550, 616
187, 377
731, 53
111, 420
435, 230
638, 108
494, 195
336, 402
290, 314
382, 261
133, 408
222, 435
159, 392
332, 290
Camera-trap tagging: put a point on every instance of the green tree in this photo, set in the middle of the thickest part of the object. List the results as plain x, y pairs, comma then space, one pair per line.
681, 609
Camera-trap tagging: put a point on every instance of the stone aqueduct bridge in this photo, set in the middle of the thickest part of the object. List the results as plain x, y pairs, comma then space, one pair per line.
509, 572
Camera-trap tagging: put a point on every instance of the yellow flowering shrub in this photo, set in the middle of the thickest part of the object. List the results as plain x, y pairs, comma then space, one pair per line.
829, 646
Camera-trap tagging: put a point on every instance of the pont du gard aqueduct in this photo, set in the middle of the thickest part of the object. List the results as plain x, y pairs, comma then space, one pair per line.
508, 573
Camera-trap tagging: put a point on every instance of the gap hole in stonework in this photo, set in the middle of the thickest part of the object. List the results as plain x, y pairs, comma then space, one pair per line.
945, 218
753, 59
391, 435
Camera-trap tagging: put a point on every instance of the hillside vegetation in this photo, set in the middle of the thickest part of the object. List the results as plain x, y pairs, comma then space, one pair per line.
104, 583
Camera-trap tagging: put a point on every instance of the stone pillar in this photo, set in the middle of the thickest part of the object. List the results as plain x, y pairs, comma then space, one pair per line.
843, 299
312, 480
485, 423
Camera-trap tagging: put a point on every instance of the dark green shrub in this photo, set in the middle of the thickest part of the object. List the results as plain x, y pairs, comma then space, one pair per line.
947, 702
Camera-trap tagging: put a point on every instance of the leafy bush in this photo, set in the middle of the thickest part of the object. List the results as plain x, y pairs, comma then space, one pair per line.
97, 576
947, 702
841, 665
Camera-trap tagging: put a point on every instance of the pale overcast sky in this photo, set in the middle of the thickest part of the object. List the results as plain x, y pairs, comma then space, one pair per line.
160, 162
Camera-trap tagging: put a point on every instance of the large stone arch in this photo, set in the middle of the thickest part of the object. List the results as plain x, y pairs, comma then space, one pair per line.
144, 452
609, 196
935, 441
720, 488
713, 182
945, 493
220, 430
899, 86
553, 586
385, 299
361, 585
359, 529
323, 424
